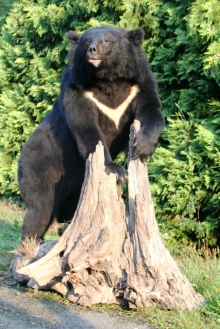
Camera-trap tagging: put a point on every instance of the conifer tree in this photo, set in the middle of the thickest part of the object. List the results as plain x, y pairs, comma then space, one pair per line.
4, 8
33, 53
183, 46
185, 169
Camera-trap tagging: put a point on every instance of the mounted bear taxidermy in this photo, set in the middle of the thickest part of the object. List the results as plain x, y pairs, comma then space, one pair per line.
107, 84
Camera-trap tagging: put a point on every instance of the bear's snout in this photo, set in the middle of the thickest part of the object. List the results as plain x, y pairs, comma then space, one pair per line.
92, 49
93, 55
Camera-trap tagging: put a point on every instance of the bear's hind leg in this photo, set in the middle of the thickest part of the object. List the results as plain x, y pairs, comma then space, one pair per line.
37, 220
68, 207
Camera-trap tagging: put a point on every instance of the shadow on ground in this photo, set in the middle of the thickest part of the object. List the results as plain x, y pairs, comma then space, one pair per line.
18, 309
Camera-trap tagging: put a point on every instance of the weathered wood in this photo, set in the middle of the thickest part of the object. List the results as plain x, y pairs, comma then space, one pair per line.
110, 254
28, 252
154, 278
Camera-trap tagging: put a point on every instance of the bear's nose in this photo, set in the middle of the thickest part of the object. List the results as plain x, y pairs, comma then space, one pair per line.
93, 48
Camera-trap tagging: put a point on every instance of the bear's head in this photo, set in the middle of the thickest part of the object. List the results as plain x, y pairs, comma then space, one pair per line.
106, 53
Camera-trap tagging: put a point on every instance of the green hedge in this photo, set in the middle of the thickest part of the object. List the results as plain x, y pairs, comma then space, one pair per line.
183, 46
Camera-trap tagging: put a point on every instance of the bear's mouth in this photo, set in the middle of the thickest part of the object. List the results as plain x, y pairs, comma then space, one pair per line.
95, 62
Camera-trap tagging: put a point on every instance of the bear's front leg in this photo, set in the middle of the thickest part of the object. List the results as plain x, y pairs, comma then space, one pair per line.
144, 145
152, 125
145, 142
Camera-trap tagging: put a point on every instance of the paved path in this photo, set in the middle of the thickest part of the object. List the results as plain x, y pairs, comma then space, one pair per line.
19, 311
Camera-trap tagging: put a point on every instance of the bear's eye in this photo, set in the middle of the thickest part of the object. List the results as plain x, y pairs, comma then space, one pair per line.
106, 41
87, 42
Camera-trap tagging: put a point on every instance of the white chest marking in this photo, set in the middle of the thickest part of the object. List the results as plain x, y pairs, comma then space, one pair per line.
114, 114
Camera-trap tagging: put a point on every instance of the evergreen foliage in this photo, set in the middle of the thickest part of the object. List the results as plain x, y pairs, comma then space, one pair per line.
185, 169
33, 53
5, 6
183, 45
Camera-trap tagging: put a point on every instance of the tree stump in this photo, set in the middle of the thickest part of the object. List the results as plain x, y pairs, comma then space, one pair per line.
109, 254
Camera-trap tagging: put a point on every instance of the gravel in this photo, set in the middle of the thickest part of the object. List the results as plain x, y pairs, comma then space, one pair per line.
22, 311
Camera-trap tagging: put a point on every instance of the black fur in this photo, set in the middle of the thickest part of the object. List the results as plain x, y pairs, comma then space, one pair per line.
105, 65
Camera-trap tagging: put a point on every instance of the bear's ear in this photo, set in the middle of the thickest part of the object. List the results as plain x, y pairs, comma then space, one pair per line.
136, 36
72, 36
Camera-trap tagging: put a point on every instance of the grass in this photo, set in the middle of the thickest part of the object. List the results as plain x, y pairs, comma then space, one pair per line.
11, 217
202, 271
10, 231
204, 274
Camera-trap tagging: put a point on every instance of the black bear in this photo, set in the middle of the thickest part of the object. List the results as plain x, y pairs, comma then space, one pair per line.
107, 84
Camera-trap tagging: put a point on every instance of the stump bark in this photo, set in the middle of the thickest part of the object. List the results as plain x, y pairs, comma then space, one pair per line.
110, 253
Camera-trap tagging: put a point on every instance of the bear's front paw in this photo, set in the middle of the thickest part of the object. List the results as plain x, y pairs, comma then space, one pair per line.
119, 171
143, 147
